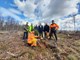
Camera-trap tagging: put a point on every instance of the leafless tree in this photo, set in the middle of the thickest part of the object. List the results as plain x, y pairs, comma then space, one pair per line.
9, 24
1, 23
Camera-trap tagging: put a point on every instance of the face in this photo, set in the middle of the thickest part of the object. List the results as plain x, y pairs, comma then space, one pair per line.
52, 21
26, 23
32, 32
39, 23
45, 23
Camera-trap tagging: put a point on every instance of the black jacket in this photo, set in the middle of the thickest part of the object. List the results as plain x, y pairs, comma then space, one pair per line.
46, 28
40, 28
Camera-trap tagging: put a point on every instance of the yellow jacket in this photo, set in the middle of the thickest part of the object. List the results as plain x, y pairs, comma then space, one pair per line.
32, 39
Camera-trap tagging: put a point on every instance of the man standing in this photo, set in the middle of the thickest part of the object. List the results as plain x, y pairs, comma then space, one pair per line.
26, 30
46, 30
53, 28
40, 30
36, 30
32, 27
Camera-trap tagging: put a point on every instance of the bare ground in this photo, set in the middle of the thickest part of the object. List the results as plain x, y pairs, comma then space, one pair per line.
13, 48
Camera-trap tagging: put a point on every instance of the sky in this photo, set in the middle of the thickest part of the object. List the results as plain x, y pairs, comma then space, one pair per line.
35, 11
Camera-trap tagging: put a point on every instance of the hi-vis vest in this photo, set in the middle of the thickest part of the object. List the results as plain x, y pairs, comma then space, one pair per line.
55, 26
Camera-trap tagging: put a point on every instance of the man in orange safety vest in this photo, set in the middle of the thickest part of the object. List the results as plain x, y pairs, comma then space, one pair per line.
53, 28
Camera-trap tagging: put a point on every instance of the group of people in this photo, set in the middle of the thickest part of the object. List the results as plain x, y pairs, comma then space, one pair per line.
44, 32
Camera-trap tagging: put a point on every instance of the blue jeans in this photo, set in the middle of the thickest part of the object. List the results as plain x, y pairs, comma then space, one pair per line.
25, 36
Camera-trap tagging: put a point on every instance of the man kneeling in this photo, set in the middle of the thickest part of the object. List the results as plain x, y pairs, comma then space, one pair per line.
32, 39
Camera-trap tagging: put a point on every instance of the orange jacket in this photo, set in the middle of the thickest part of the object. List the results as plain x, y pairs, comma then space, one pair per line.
32, 39
54, 25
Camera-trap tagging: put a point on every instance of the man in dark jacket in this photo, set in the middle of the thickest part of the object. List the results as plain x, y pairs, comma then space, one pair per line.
46, 30
40, 30
36, 30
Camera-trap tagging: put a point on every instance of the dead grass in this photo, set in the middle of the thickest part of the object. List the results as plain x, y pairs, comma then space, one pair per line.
68, 48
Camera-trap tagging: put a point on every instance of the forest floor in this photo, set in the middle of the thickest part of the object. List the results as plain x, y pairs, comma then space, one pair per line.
12, 47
